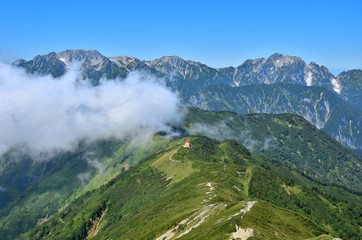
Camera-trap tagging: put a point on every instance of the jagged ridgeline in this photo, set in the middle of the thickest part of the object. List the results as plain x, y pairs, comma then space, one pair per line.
277, 84
199, 188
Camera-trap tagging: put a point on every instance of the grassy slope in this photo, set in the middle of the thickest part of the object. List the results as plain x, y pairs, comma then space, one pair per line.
63, 183
178, 187
284, 138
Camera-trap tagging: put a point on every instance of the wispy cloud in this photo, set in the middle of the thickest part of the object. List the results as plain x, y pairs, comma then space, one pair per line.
221, 131
49, 115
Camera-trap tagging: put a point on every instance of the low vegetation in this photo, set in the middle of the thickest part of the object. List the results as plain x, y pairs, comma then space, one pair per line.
207, 200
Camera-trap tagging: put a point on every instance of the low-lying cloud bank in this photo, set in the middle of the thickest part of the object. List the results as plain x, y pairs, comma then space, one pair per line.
49, 115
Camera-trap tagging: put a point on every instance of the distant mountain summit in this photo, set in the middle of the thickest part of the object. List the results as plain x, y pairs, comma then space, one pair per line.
279, 68
92, 57
252, 87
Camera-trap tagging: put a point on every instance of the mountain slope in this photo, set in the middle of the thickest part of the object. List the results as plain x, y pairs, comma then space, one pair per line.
93, 64
215, 190
69, 176
279, 68
352, 87
285, 138
317, 105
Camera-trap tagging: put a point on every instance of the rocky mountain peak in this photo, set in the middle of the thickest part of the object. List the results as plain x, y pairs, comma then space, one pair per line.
71, 56
279, 60
19, 62
169, 60
313, 64
276, 56
80, 53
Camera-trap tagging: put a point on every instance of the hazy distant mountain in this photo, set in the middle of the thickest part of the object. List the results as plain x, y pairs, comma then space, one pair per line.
248, 88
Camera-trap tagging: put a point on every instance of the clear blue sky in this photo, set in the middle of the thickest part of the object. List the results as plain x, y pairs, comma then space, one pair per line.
217, 33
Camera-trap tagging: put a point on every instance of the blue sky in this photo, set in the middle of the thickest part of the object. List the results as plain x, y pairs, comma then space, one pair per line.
217, 33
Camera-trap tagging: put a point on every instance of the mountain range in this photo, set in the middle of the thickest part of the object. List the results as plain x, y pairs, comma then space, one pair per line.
277, 84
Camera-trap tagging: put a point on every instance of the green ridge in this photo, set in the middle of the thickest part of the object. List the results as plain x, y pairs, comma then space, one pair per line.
144, 203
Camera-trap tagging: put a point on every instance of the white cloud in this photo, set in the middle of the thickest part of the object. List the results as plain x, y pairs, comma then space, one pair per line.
50, 115
83, 177
221, 131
